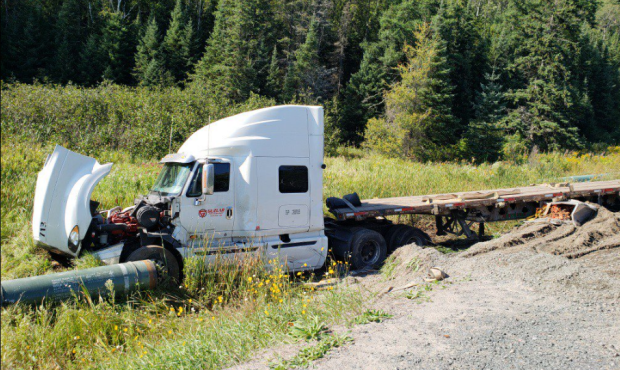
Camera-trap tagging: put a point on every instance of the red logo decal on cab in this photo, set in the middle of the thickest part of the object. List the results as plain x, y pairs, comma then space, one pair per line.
202, 213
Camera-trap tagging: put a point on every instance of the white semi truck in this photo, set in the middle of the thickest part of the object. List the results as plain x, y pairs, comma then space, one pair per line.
253, 184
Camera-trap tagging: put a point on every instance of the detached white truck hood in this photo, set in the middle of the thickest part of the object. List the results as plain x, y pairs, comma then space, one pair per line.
62, 198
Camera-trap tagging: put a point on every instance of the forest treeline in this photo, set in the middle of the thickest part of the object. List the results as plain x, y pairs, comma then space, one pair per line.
424, 79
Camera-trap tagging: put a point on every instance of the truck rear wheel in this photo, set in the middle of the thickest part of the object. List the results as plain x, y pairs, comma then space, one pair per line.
163, 258
368, 248
403, 235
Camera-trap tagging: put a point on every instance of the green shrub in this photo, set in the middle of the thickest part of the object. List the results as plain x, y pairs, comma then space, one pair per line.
142, 121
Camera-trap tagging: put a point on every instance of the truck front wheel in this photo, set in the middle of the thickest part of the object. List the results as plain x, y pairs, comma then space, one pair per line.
368, 249
165, 261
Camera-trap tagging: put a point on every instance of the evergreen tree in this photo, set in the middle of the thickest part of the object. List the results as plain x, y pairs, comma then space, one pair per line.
546, 42
117, 46
68, 40
237, 51
490, 105
177, 44
150, 67
483, 139
189, 47
598, 111
466, 54
307, 79
274, 78
418, 121
363, 97
91, 60
31, 49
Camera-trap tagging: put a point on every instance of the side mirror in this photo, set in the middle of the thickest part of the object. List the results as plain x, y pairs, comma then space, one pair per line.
208, 178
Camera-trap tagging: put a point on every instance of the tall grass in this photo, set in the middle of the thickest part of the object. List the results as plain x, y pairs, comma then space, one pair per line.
208, 323
379, 177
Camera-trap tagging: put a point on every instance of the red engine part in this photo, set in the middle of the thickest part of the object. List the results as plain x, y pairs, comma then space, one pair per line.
125, 219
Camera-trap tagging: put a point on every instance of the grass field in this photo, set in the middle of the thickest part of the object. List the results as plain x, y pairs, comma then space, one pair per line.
222, 315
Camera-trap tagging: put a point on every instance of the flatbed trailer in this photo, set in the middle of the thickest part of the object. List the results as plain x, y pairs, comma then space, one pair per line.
456, 212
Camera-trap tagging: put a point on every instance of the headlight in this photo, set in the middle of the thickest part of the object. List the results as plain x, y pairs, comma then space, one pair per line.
74, 238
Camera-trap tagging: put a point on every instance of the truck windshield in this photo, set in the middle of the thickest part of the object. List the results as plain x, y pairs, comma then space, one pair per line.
172, 178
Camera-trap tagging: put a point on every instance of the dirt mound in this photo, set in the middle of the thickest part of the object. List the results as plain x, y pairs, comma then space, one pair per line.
411, 264
567, 240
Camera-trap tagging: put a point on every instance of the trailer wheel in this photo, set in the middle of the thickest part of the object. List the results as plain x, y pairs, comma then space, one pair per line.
425, 239
390, 236
405, 235
368, 248
163, 258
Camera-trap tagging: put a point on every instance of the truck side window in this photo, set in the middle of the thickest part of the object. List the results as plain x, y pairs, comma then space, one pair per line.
293, 179
222, 180
222, 177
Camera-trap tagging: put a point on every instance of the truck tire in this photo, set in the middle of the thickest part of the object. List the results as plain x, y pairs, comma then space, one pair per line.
405, 235
163, 258
390, 236
368, 249
424, 238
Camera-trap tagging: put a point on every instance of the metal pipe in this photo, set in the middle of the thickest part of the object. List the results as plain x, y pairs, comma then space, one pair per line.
125, 277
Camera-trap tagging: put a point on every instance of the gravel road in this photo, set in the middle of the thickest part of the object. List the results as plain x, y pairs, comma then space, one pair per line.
539, 297
486, 324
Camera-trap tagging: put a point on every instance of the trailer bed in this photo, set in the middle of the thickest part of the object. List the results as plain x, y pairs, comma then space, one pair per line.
445, 204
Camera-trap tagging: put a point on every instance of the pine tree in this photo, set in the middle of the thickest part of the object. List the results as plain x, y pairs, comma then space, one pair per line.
484, 139
91, 60
189, 47
363, 96
274, 78
68, 40
150, 67
466, 54
32, 51
177, 43
117, 46
599, 77
546, 43
237, 52
490, 105
307, 79
418, 121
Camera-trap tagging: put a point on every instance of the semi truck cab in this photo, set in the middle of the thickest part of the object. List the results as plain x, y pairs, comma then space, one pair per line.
247, 184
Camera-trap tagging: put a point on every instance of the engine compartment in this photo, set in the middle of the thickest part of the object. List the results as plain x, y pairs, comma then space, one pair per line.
116, 225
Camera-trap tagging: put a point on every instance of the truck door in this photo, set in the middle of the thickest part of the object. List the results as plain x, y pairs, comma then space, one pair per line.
209, 219
284, 195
